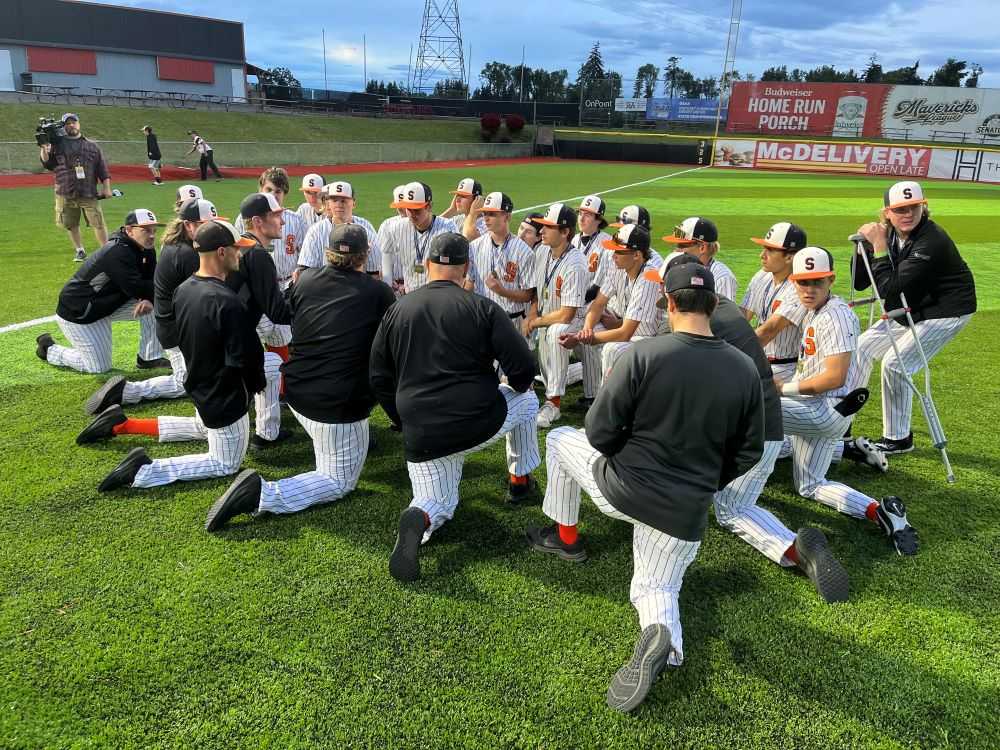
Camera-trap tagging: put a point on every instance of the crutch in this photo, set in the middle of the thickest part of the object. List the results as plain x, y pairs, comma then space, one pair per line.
926, 400
867, 301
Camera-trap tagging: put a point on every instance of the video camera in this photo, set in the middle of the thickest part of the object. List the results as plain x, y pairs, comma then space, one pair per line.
49, 131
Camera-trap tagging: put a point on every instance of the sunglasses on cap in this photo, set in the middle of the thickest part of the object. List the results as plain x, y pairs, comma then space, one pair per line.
680, 234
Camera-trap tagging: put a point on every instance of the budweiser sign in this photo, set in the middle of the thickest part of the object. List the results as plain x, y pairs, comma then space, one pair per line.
911, 111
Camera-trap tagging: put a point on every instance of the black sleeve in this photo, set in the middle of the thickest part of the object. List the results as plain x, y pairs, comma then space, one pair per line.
125, 272
746, 445
510, 348
610, 418
52, 162
264, 287
243, 350
914, 274
859, 276
382, 371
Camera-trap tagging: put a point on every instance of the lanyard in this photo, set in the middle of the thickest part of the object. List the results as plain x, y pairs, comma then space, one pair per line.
586, 248
417, 247
630, 287
548, 275
502, 252
766, 312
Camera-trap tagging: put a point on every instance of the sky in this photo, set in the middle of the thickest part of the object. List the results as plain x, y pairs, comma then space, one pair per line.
772, 32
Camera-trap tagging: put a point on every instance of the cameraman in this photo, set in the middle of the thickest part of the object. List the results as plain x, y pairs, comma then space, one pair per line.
78, 165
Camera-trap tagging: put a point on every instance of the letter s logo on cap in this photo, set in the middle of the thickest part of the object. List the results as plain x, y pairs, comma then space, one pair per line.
340, 188
213, 211
149, 216
409, 195
192, 193
810, 264
907, 193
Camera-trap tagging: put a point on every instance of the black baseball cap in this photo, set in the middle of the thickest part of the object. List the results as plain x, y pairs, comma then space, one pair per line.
694, 229
676, 258
633, 215
198, 209
449, 249
259, 204
559, 215
348, 238
218, 233
689, 276
629, 237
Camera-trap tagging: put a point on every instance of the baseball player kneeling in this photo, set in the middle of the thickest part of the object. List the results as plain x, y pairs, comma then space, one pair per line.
631, 463
337, 309
339, 201
700, 237
225, 363
818, 404
432, 370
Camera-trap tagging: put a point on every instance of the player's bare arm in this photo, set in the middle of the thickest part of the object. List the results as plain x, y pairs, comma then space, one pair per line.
774, 325
833, 376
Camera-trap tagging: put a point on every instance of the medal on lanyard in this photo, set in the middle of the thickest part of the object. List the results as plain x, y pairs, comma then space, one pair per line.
418, 267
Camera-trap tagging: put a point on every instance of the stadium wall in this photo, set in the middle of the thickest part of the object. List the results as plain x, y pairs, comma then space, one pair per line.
695, 151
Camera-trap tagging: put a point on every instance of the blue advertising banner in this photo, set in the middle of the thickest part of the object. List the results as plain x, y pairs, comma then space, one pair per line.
694, 110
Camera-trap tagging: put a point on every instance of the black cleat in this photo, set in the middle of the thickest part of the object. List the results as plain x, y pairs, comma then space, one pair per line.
889, 447
152, 364
863, 451
107, 395
632, 682
546, 539
823, 569
403, 562
259, 443
124, 473
522, 494
102, 426
243, 496
44, 341
891, 518
372, 441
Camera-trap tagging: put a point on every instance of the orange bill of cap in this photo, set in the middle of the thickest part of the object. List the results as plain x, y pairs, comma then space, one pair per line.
408, 204
764, 243
679, 240
810, 275
913, 202
244, 241
653, 275
612, 245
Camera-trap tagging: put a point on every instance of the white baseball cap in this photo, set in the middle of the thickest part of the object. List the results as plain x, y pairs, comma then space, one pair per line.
141, 217
907, 193
593, 204
312, 183
693, 229
468, 188
397, 194
783, 236
338, 190
495, 202
414, 195
812, 263
199, 209
632, 215
189, 191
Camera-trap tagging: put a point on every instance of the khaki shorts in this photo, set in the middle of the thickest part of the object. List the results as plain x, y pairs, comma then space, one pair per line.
68, 212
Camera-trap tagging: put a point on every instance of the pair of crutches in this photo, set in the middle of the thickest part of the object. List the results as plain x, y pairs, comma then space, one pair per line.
925, 398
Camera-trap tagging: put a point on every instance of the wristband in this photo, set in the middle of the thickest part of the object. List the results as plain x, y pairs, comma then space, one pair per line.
881, 253
790, 389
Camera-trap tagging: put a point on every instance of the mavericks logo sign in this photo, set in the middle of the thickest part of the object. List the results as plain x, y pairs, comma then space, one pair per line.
990, 127
913, 111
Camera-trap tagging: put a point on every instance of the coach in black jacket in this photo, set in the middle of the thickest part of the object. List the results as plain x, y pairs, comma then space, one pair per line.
432, 370
911, 256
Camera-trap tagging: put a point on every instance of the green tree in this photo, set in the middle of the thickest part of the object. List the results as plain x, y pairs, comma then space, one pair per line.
645, 81
906, 75
671, 74
549, 85
829, 74
973, 80
593, 67
873, 71
450, 88
498, 81
950, 73
279, 77
775, 74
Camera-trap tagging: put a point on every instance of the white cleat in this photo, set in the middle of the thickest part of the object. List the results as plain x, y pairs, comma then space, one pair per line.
548, 414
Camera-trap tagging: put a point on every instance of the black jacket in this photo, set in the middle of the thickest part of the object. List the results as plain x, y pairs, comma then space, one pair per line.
120, 271
256, 284
927, 269
152, 147
432, 368
175, 266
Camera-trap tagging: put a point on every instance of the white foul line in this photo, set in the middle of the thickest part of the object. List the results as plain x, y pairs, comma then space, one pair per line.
51, 318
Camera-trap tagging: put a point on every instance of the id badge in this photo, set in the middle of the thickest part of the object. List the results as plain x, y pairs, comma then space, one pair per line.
80, 173
418, 268
545, 296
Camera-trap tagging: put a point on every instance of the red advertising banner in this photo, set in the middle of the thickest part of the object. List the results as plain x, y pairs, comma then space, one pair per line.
847, 110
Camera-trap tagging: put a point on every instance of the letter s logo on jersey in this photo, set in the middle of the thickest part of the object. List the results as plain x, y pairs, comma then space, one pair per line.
809, 342
510, 272
559, 286
592, 262
289, 244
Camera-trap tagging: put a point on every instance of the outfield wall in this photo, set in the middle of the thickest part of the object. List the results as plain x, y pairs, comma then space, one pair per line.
871, 159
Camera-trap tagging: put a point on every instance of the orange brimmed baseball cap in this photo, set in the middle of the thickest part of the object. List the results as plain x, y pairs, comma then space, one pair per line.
812, 263
675, 258
907, 193
199, 209
397, 195
629, 237
141, 217
312, 183
783, 236
496, 203
693, 229
468, 188
632, 215
338, 190
414, 195
558, 215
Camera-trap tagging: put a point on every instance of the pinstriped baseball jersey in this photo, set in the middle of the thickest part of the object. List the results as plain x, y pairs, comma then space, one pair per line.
725, 280
459, 220
561, 282
384, 230
764, 299
402, 241
833, 329
308, 215
636, 298
596, 259
313, 253
285, 249
513, 263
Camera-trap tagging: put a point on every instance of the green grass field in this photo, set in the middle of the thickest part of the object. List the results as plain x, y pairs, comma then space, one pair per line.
123, 624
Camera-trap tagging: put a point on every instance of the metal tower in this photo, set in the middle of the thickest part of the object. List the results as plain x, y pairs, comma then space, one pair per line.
439, 54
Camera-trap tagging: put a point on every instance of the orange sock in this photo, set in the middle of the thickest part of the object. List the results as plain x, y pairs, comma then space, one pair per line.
518, 480
870, 511
137, 427
557, 400
791, 554
567, 534
427, 520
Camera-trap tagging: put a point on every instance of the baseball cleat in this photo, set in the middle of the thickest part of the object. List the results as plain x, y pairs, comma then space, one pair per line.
889, 446
243, 496
891, 518
124, 473
152, 364
108, 394
548, 414
522, 494
819, 564
102, 427
80, 255
44, 341
546, 539
630, 685
863, 451
259, 443
403, 562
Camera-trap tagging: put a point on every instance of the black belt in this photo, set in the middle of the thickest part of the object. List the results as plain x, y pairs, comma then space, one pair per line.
515, 316
785, 361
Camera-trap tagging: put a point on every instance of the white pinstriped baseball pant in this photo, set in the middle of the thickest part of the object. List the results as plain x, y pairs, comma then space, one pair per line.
226, 448
553, 361
897, 398
784, 372
613, 351
165, 386
435, 482
813, 429
340, 450
659, 559
736, 509
273, 334
90, 343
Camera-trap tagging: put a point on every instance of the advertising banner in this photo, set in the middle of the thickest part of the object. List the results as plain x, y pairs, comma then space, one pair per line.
966, 165
630, 105
860, 158
691, 110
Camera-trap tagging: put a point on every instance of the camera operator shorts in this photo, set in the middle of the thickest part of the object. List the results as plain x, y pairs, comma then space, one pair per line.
154, 163
68, 212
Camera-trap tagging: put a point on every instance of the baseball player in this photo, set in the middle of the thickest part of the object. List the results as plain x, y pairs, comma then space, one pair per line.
113, 284
186, 193
337, 309
312, 209
432, 370
460, 210
409, 241
178, 260
818, 403
558, 308
225, 366
339, 201
531, 232
700, 237
913, 256
634, 284
206, 156
385, 229
631, 463
507, 264
590, 240
633, 214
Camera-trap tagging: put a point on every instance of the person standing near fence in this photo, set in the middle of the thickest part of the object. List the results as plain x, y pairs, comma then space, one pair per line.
153, 154
207, 155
